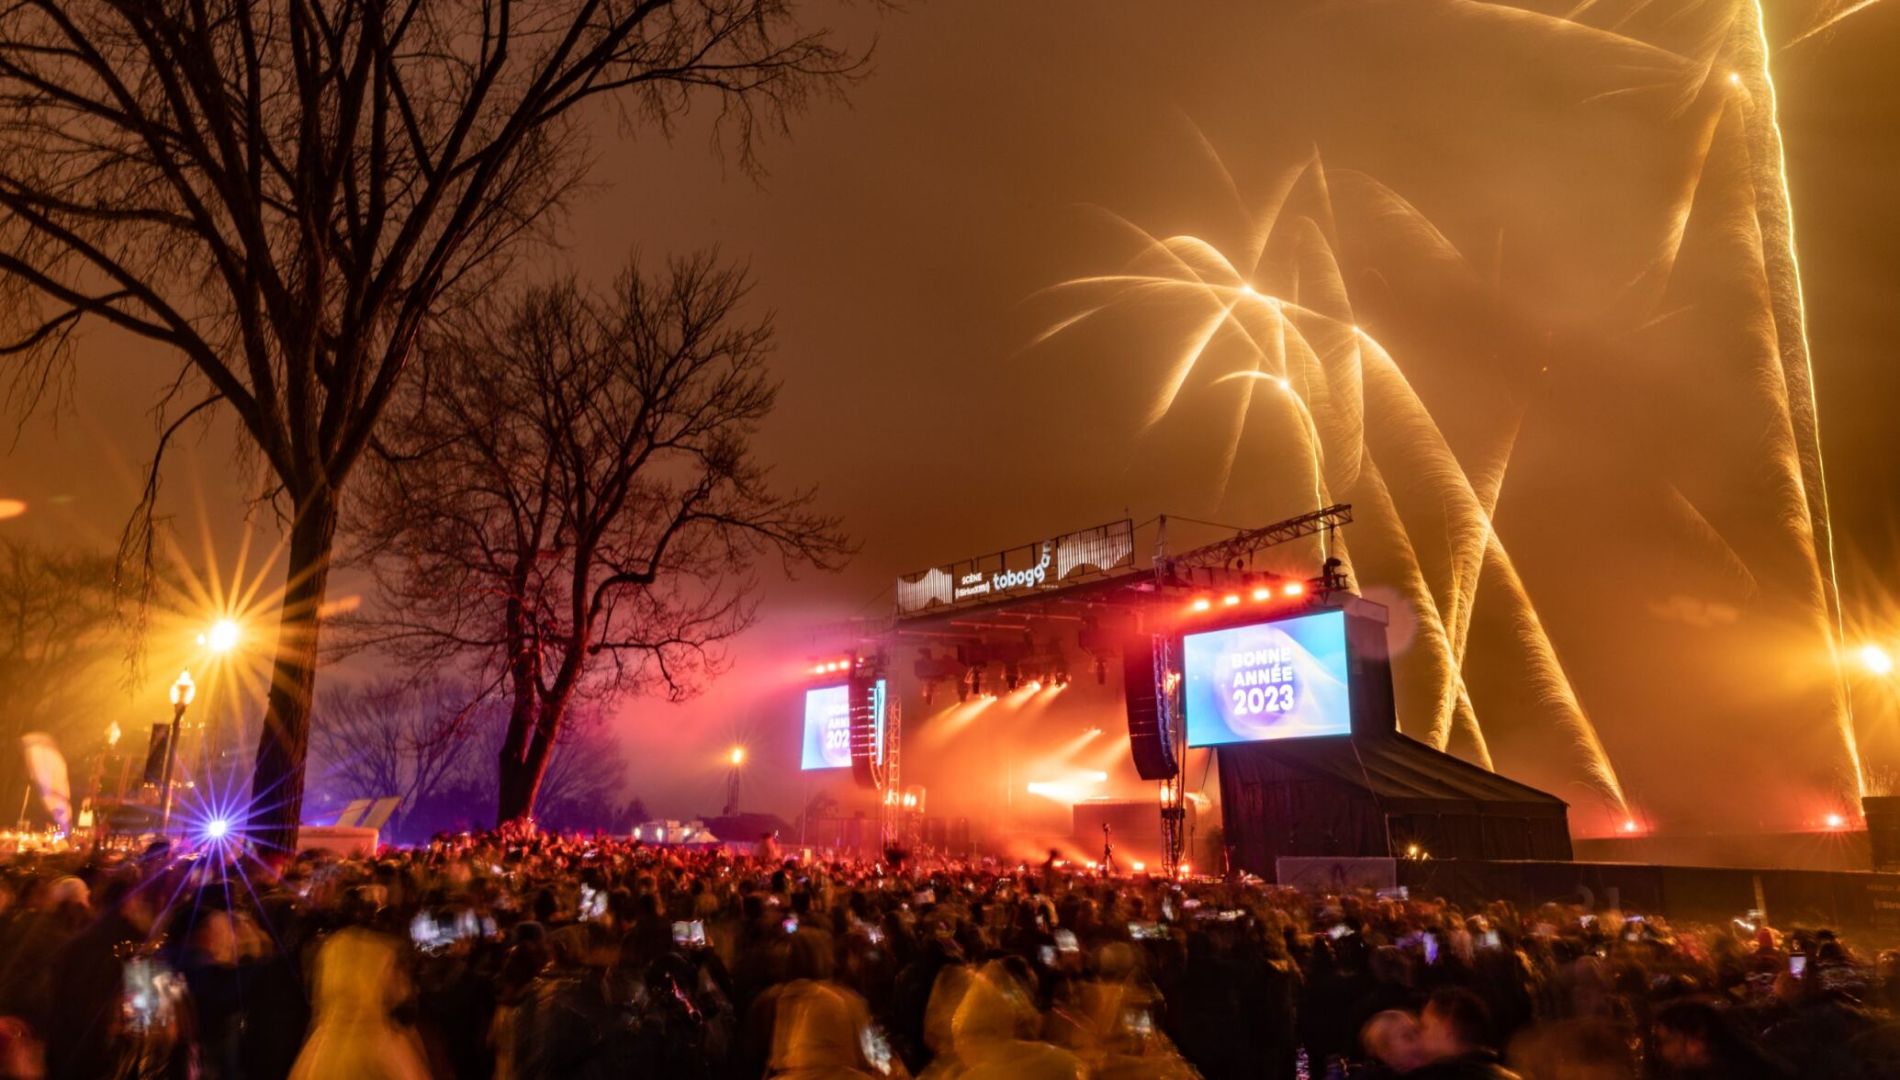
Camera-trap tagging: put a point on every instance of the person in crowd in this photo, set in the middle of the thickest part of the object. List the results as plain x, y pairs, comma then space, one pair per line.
1391, 1041
1694, 1039
354, 1031
108, 1005
1454, 1037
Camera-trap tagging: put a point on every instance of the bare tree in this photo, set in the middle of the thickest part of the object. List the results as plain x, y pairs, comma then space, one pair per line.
570, 507
59, 645
391, 739
283, 193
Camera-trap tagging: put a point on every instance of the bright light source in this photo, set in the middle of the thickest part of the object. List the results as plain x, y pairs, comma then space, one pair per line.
1284, 383
1292, 588
1630, 826
1262, 594
216, 828
1203, 604
1230, 599
223, 636
736, 756
1836, 821
1248, 290
1735, 78
1141, 868
1876, 660
1186, 869
183, 690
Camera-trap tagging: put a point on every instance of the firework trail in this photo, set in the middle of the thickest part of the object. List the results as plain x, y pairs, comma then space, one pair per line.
1788, 310
1305, 343
1829, 20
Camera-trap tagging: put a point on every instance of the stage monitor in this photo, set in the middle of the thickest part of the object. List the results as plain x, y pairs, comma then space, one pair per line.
827, 728
1275, 680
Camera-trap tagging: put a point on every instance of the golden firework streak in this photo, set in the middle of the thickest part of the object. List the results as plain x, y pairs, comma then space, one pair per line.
1782, 267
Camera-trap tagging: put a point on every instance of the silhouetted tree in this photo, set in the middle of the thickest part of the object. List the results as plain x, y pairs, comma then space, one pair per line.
59, 643
581, 791
570, 509
284, 193
391, 738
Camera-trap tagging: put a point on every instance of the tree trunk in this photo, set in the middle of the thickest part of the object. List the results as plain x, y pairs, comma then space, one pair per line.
524, 762
277, 784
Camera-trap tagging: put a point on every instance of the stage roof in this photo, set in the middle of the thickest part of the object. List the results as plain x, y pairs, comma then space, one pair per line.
1407, 776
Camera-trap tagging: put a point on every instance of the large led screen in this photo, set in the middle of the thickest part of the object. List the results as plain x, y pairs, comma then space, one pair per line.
1277, 680
827, 728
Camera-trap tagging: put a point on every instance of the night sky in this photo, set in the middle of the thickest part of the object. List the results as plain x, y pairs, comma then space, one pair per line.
908, 240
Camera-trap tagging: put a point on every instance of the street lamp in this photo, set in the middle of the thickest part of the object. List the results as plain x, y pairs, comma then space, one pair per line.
735, 758
222, 637
182, 692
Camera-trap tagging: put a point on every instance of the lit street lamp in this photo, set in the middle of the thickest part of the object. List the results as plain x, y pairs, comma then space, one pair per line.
736, 759
182, 692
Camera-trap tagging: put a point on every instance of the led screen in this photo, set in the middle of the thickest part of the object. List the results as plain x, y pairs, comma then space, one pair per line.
1277, 680
827, 728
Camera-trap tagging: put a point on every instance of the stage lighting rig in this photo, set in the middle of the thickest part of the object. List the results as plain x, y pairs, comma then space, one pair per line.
932, 670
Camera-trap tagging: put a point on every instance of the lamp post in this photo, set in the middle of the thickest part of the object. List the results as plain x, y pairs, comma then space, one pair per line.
182, 692
735, 758
219, 640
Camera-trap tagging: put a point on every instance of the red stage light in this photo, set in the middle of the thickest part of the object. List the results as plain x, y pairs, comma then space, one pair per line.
1202, 604
1262, 593
1836, 821
1230, 599
1293, 588
1631, 826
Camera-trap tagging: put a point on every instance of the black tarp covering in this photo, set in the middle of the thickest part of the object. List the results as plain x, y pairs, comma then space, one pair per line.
1378, 795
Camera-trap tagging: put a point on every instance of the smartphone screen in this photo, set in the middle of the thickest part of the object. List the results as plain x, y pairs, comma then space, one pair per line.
790, 925
1046, 954
1431, 948
1797, 965
1065, 941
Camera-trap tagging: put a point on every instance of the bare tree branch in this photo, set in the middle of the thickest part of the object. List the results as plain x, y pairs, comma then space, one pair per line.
572, 508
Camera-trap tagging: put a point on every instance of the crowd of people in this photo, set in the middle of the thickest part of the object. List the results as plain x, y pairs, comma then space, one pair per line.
539, 957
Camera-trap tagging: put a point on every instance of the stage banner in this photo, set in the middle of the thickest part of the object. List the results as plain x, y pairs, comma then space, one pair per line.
1073, 556
1275, 680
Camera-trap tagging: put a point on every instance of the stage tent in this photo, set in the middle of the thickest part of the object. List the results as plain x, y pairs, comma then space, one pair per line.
1382, 795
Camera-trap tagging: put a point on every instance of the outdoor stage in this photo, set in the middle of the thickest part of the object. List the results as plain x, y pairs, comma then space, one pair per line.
1220, 707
